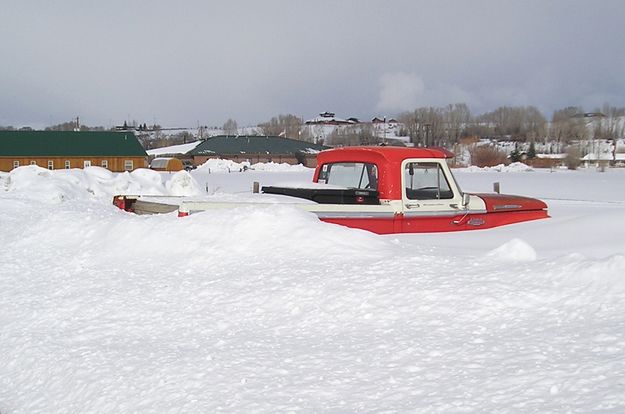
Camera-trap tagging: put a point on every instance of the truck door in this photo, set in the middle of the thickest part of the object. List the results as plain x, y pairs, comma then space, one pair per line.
428, 190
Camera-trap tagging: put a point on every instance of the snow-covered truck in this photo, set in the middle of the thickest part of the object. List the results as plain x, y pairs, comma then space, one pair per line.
385, 190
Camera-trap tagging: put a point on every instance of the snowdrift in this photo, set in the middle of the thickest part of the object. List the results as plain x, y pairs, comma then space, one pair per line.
513, 167
219, 165
37, 183
267, 309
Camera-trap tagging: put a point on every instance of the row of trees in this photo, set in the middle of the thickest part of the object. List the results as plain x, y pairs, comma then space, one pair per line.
64, 126
431, 126
288, 125
444, 126
436, 126
71, 126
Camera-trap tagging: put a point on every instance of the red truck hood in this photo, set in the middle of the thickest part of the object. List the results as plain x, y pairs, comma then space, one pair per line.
496, 203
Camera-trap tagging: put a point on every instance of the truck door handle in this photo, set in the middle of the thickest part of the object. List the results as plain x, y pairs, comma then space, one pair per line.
412, 205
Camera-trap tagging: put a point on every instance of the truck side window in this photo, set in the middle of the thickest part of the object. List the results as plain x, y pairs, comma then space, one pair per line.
426, 181
350, 175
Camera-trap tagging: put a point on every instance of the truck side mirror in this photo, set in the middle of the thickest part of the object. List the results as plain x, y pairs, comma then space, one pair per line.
410, 169
466, 198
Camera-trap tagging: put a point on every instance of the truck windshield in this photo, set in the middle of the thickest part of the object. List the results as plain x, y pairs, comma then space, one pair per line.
350, 175
426, 181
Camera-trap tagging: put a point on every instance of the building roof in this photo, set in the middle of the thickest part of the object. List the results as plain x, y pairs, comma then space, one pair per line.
604, 156
174, 149
253, 144
69, 143
328, 121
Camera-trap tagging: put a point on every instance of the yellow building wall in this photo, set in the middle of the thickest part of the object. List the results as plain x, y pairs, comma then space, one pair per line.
114, 164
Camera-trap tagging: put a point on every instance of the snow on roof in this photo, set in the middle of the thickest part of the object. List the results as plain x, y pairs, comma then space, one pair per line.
253, 144
607, 156
328, 120
551, 156
174, 149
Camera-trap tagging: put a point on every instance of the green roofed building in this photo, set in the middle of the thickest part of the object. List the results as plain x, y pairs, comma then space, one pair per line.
256, 149
116, 151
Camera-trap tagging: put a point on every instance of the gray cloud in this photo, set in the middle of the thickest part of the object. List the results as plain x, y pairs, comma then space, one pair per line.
195, 61
400, 91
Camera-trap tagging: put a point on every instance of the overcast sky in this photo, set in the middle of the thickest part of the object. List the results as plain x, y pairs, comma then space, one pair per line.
178, 63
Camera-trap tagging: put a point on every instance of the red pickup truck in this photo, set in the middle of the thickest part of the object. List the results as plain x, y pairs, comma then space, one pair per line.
395, 190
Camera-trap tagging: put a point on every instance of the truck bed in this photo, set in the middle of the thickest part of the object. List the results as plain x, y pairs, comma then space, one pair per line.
328, 195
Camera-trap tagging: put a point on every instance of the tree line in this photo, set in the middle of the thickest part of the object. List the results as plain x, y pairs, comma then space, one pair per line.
425, 126
447, 125
441, 126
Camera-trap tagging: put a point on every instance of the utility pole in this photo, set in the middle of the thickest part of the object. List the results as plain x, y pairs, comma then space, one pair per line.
427, 133
384, 141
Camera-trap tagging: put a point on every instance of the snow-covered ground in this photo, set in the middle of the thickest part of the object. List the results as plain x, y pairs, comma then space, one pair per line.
267, 309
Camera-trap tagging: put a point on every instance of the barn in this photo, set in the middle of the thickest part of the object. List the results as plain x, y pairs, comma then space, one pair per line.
116, 151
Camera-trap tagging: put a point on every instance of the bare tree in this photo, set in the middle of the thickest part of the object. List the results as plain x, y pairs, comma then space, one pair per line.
457, 117
572, 159
606, 123
412, 125
287, 126
425, 126
365, 134
520, 123
487, 156
534, 124
354, 135
567, 125
433, 126
230, 127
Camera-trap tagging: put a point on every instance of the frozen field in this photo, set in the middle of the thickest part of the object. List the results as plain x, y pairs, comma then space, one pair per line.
270, 310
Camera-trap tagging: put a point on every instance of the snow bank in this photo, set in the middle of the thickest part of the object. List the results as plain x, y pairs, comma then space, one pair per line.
279, 167
244, 232
219, 165
605, 277
514, 167
182, 184
55, 186
267, 309
40, 184
516, 250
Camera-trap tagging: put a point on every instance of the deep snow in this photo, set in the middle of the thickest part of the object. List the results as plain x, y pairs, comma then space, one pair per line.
267, 309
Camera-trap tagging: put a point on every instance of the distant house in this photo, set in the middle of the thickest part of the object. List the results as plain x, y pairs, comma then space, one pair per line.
116, 151
328, 121
256, 149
